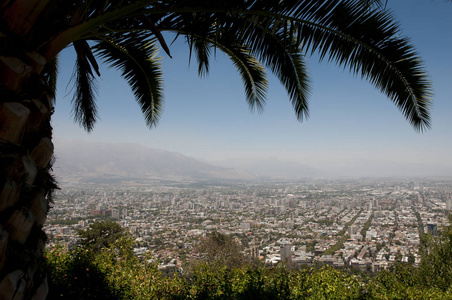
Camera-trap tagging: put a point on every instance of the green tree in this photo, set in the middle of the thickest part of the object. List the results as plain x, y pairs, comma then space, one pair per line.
74, 274
436, 264
80, 274
125, 35
218, 248
101, 235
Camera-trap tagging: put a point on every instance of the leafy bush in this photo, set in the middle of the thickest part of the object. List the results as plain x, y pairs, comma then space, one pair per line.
113, 272
73, 274
436, 266
80, 275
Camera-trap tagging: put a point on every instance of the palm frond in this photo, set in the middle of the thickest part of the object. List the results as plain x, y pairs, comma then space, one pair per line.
156, 32
276, 48
86, 57
50, 75
251, 71
286, 63
202, 50
367, 43
91, 17
136, 57
359, 35
84, 106
201, 43
242, 41
351, 33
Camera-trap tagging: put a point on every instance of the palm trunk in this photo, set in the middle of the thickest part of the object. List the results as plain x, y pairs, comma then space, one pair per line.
26, 152
26, 184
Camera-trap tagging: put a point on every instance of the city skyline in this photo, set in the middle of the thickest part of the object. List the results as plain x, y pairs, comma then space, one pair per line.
357, 224
351, 123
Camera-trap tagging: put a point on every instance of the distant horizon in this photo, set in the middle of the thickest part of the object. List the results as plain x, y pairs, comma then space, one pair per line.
271, 167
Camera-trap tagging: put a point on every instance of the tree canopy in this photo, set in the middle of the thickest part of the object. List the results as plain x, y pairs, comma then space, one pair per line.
357, 35
218, 248
101, 234
436, 264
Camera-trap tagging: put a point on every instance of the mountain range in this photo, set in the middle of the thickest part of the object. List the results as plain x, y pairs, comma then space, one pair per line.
99, 162
80, 161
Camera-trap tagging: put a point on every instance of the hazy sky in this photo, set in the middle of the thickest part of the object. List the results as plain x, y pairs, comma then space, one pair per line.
351, 123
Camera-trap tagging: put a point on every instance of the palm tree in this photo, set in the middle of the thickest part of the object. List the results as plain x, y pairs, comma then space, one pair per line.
126, 35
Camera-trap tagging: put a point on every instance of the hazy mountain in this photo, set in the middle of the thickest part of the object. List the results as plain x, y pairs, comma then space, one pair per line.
271, 167
105, 162
386, 168
78, 161
274, 168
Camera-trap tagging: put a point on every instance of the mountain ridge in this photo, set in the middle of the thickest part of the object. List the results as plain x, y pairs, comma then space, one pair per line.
100, 161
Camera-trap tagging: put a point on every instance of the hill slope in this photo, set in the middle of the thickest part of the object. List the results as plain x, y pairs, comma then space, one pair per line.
105, 162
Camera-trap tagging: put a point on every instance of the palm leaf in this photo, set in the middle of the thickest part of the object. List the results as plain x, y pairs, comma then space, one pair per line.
286, 63
50, 75
86, 56
350, 33
277, 50
242, 41
202, 50
136, 57
156, 32
96, 14
251, 71
84, 106
367, 42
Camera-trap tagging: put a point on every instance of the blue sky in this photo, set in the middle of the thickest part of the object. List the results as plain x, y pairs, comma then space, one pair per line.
351, 124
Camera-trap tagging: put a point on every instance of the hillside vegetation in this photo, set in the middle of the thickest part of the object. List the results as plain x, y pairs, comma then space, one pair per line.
114, 272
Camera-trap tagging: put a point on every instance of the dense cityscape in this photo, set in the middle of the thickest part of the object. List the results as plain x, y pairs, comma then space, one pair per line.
364, 224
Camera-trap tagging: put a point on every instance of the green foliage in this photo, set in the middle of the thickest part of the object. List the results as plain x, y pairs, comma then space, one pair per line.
113, 274
326, 283
279, 35
101, 235
337, 246
401, 283
419, 222
436, 265
326, 222
250, 283
310, 246
84, 274
367, 225
73, 274
210, 282
220, 248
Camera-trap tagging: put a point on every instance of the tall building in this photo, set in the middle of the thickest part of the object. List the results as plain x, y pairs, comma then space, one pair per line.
115, 214
449, 203
255, 252
375, 203
254, 249
286, 252
431, 228
353, 230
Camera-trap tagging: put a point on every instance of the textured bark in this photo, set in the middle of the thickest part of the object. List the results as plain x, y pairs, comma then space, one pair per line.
13, 117
25, 187
26, 152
